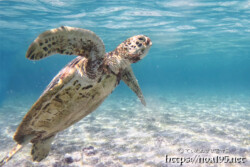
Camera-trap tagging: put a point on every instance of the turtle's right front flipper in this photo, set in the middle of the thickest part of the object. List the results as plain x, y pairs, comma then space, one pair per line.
67, 41
130, 80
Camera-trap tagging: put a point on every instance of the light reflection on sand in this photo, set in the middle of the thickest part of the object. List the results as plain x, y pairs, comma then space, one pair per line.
128, 134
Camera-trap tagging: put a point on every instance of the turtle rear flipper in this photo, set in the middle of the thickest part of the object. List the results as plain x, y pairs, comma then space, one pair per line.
41, 148
15, 149
130, 80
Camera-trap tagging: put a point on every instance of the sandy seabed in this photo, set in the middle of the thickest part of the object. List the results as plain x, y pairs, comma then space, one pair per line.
121, 132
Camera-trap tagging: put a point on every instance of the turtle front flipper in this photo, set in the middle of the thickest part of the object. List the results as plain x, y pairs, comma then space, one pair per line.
67, 41
130, 80
41, 148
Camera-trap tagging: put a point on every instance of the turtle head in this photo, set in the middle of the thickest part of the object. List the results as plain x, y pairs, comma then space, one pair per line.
136, 48
130, 51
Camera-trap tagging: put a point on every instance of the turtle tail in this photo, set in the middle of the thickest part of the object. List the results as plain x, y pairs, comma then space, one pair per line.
17, 148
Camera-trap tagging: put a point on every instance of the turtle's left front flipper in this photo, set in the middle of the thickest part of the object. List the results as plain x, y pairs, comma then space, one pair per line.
67, 41
130, 80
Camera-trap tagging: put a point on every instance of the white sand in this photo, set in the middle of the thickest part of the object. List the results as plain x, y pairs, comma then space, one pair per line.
127, 134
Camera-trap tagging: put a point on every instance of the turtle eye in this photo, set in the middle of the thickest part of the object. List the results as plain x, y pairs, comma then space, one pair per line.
142, 39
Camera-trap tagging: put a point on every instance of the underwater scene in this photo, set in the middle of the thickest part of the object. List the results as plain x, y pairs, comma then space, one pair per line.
195, 80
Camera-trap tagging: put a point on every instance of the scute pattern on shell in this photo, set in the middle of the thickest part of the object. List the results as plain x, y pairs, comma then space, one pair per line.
64, 103
24, 129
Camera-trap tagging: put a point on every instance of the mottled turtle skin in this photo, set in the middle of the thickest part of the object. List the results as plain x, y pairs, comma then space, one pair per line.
80, 87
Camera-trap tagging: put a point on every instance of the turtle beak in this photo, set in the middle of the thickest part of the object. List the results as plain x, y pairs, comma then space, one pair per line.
148, 41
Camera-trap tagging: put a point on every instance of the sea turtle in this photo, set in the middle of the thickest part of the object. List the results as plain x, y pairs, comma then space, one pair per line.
80, 87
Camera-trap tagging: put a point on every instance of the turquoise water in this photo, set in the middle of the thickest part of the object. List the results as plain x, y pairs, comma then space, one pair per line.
195, 79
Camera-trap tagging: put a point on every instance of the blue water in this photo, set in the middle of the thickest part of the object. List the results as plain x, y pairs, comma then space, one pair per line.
200, 55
